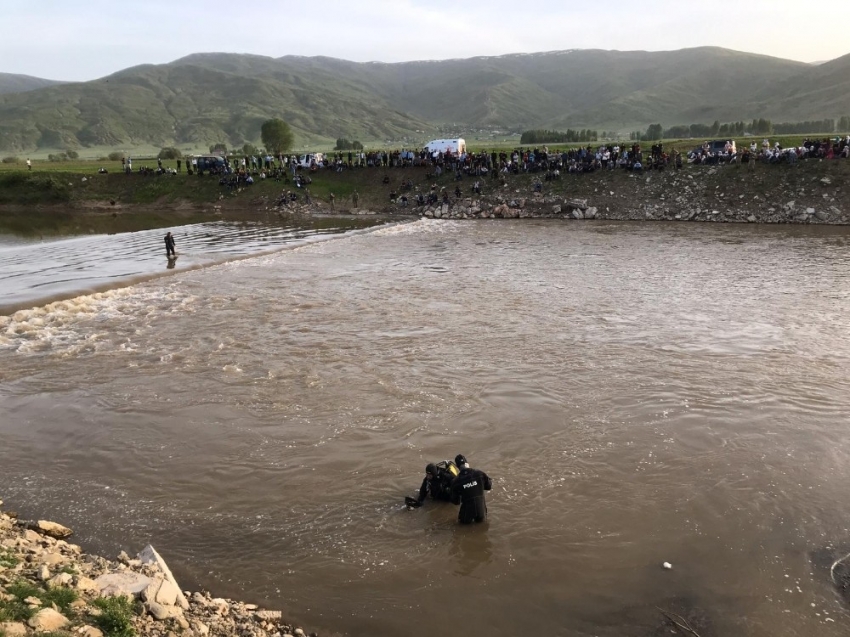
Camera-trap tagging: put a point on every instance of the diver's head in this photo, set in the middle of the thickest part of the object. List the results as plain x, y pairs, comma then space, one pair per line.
431, 470
460, 461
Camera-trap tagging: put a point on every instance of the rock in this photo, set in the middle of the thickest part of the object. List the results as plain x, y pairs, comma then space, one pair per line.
162, 612
299, 632
86, 585
89, 631
576, 213
556, 210
161, 591
62, 579
821, 215
267, 615
52, 529
752, 219
200, 628
31, 536
32, 601
576, 204
590, 213
48, 620
222, 607
13, 629
150, 556
810, 211
44, 573
52, 559
124, 583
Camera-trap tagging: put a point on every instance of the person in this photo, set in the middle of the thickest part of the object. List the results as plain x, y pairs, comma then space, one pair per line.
355, 198
468, 491
332, 198
169, 247
29, 164
437, 482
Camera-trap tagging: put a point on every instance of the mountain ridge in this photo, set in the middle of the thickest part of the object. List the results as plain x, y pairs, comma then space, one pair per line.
210, 97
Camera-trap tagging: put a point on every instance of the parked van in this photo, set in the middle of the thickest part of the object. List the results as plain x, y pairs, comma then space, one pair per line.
308, 160
456, 146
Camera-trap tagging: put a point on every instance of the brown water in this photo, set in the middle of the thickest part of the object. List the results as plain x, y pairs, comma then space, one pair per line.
638, 393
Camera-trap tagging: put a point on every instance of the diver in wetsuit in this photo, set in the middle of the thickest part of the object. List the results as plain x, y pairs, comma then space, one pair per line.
169, 246
468, 491
437, 482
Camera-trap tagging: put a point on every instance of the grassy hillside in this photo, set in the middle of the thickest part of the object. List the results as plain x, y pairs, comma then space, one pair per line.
216, 97
12, 83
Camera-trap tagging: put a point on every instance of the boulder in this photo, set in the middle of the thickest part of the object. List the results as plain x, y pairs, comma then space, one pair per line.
62, 579
576, 213
89, 631
124, 583
161, 591
556, 210
162, 612
751, 219
821, 215
576, 204
13, 629
86, 585
48, 620
150, 556
44, 573
52, 529
590, 213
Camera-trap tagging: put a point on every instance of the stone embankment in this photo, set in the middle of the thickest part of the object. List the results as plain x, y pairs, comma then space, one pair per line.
49, 585
726, 194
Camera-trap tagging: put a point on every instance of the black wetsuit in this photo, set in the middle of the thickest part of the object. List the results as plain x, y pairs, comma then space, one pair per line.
440, 486
169, 246
468, 491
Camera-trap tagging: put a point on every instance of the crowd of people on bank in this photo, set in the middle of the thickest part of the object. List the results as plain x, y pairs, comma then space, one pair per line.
547, 165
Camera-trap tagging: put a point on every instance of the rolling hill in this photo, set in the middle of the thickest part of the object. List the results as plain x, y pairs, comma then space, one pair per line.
12, 83
219, 97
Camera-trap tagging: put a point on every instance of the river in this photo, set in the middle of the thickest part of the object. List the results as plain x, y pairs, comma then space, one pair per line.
639, 394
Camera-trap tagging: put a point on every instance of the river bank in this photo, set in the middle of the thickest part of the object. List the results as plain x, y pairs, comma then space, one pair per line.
60, 203
49, 585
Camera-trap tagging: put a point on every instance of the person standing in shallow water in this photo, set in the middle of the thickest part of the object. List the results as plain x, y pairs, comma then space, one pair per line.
169, 247
468, 491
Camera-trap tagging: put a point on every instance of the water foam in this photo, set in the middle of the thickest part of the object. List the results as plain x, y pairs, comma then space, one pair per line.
82, 324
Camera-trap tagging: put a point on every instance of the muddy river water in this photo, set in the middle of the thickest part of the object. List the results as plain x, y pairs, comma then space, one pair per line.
639, 394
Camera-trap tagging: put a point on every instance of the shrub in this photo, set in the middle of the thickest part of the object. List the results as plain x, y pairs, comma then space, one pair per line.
116, 156
7, 559
116, 616
15, 610
11, 160
59, 595
169, 152
58, 157
72, 154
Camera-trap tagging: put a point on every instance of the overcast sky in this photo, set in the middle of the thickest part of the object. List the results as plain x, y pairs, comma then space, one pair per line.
64, 40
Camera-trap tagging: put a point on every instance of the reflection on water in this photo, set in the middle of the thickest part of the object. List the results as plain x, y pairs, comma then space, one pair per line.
38, 271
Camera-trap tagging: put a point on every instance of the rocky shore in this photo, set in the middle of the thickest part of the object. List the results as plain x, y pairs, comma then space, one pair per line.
49, 586
728, 194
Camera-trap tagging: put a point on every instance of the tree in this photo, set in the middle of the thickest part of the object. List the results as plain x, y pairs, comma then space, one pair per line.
276, 135
218, 148
169, 152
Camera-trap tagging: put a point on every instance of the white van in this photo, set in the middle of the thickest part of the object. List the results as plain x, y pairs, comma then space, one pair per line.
456, 146
306, 161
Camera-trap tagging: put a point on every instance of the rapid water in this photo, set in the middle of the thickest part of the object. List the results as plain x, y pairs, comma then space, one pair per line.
639, 393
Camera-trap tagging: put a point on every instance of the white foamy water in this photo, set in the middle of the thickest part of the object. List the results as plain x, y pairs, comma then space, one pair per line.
639, 394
